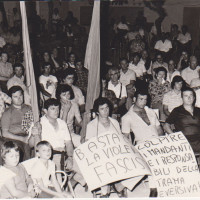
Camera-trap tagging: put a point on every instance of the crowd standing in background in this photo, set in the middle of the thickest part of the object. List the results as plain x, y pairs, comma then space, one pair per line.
150, 86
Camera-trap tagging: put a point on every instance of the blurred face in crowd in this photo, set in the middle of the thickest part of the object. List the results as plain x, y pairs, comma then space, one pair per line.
178, 85
69, 80
123, 64
144, 55
47, 69
104, 110
171, 66
184, 29
72, 58
114, 75
161, 75
55, 53
188, 97
79, 66
18, 72
46, 56
159, 58
141, 101
193, 62
4, 57
17, 98
136, 59
52, 112
12, 158
65, 97
185, 55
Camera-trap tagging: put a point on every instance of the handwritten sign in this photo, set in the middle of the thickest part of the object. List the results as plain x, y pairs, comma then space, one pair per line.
173, 165
108, 158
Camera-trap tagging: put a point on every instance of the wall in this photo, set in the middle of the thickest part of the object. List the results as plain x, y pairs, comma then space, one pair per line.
174, 9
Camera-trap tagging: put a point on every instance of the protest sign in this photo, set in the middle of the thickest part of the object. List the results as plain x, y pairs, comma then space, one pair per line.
108, 158
172, 162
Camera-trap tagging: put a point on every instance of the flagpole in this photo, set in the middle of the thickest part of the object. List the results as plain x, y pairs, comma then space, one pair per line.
92, 63
30, 77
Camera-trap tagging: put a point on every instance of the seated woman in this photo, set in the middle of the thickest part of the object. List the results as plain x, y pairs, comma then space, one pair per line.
69, 110
157, 88
186, 118
101, 124
173, 99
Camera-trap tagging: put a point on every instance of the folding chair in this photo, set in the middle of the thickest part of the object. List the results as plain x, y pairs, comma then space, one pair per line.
65, 180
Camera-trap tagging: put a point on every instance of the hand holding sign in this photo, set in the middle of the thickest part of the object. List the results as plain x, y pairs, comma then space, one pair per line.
108, 158
173, 165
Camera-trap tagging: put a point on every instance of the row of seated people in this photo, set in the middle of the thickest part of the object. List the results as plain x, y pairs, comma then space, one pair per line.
18, 130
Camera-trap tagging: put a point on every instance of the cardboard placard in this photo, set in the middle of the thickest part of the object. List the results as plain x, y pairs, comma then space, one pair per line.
173, 165
108, 158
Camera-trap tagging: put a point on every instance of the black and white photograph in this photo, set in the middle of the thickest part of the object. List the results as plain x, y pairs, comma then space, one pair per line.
100, 99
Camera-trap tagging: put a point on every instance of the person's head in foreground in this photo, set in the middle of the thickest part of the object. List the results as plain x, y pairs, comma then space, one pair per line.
44, 150
17, 95
188, 96
141, 98
64, 93
177, 83
102, 107
10, 154
51, 108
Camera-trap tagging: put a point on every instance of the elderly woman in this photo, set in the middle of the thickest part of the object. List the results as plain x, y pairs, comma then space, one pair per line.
157, 88
186, 118
173, 99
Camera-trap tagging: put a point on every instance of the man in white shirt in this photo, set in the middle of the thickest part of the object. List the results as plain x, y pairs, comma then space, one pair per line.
164, 46
55, 131
192, 71
136, 66
119, 89
127, 78
141, 120
184, 39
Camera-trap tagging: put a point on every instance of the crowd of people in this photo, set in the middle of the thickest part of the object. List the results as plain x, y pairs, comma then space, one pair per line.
147, 94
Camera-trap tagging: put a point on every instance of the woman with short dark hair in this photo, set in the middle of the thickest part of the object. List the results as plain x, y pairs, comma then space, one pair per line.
157, 88
172, 99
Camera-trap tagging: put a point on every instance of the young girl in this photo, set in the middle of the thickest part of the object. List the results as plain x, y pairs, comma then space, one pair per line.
21, 185
42, 169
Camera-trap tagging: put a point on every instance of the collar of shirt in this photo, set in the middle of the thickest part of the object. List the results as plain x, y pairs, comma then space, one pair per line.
112, 85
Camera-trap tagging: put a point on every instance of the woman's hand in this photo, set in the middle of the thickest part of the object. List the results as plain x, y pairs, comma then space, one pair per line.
66, 105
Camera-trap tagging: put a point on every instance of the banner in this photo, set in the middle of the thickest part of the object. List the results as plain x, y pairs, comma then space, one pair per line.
173, 165
92, 63
30, 77
108, 158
